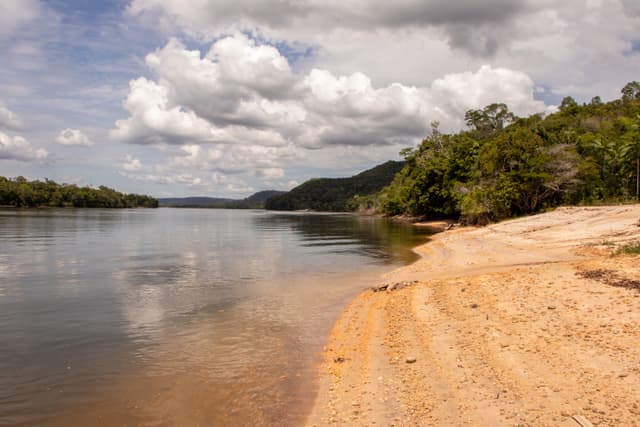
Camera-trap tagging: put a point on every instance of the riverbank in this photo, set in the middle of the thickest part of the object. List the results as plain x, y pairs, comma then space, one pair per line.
526, 322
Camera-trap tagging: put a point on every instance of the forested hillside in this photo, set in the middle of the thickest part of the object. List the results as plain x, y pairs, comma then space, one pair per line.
506, 166
336, 194
255, 201
19, 192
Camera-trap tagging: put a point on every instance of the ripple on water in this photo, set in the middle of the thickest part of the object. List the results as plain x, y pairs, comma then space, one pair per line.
175, 317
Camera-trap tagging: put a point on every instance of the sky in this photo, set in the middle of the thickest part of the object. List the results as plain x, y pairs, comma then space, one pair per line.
224, 98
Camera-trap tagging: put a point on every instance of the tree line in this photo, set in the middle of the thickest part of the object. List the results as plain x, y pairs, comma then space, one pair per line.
19, 192
505, 166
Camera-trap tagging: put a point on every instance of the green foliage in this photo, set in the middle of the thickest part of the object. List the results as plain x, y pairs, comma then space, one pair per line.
505, 166
427, 184
491, 118
19, 192
569, 104
632, 248
631, 91
336, 194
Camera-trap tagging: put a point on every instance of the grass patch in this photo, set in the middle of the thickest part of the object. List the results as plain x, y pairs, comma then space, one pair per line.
601, 243
632, 248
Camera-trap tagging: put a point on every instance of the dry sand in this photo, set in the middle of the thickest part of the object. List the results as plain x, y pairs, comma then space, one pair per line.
508, 325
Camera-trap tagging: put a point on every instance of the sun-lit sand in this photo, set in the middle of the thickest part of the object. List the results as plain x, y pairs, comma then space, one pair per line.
526, 322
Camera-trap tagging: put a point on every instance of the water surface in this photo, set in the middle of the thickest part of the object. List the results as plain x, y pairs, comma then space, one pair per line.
176, 316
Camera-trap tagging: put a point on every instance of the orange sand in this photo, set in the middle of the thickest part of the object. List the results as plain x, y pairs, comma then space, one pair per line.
504, 330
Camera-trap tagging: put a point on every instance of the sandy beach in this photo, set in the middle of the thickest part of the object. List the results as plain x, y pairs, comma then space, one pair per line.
527, 322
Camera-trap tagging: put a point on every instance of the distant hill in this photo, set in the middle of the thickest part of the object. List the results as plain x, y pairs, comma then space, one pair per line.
261, 197
255, 201
336, 194
200, 202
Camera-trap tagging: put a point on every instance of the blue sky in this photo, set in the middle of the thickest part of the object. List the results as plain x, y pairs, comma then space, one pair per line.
224, 98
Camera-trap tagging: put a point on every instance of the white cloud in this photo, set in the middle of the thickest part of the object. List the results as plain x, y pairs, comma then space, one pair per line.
463, 24
73, 137
212, 183
414, 41
8, 119
264, 162
15, 13
153, 120
131, 164
214, 113
18, 148
220, 99
270, 174
355, 80
186, 179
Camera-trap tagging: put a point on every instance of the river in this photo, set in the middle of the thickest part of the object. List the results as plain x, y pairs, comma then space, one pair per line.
176, 316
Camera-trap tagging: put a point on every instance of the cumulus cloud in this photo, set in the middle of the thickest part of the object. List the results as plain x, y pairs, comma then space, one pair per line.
584, 43
8, 119
352, 74
131, 164
240, 109
231, 94
263, 162
15, 147
219, 98
185, 179
18, 148
73, 137
218, 169
463, 23
215, 183
632, 7
154, 120
270, 174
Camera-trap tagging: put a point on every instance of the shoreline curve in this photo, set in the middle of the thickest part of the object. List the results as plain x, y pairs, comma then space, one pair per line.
529, 321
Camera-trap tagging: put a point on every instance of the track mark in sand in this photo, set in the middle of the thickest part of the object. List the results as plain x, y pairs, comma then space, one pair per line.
539, 352
516, 338
359, 384
419, 383
480, 393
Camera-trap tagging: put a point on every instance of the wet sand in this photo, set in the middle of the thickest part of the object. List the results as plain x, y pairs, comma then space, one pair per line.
526, 322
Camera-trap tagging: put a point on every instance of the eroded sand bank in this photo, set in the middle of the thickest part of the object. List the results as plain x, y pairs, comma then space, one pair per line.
518, 323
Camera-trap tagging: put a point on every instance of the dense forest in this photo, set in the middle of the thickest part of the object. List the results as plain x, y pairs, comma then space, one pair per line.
506, 166
19, 192
336, 194
255, 201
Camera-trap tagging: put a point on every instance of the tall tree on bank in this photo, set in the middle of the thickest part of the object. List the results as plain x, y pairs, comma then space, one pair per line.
505, 166
632, 149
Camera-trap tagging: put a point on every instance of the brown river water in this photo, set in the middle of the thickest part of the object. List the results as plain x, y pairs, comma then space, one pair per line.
176, 316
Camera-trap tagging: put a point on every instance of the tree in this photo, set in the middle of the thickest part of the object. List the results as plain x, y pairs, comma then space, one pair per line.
491, 118
523, 173
568, 104
435, 140
631, 91
22, 193
504, 166
632, 150
601, 150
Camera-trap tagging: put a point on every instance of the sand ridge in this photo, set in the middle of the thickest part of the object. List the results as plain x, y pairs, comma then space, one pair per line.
505, 328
